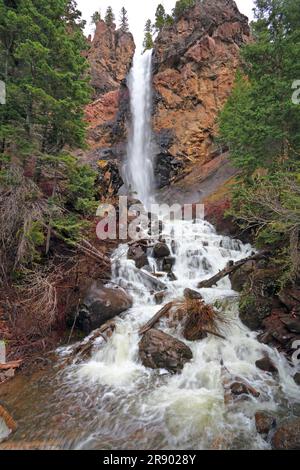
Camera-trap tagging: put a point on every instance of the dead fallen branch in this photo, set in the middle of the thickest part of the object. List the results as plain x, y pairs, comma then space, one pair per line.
83, 349
230, 269
151, 323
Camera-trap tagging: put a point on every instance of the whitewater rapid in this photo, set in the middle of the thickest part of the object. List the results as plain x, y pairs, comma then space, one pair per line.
188, 410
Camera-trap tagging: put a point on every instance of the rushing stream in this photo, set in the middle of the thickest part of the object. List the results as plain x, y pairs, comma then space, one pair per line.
111, 401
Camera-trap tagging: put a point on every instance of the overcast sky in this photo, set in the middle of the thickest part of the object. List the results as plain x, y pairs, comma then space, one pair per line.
139, 11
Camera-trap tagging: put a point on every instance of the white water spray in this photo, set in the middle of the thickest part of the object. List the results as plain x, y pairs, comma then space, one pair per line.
139, 171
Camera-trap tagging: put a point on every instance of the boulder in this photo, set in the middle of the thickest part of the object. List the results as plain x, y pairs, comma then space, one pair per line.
190, 294
297, 378
264, 422
290, 297
168, 264
253, 311
265, 364
287, 436
101, 304
241, 388
240, 277
161, 250
292, 325
160, 351
137, 253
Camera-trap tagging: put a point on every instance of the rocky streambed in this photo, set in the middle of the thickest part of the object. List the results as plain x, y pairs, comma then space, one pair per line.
185, 374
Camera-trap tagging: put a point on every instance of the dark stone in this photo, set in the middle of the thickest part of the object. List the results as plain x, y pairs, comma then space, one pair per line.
264, 422
240, 388
297, 378
161, 351
293, 325
253, 311
265, 364
190, 294
100, 305
287, 436
168, 263
161, 250
240, 277
137, 254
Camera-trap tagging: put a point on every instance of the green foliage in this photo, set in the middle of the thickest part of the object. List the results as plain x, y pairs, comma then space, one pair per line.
80, 192
261, 125
96, 17
124, 25
44, 71
182, 6
160, 17
260, 122
148, 39
109, 16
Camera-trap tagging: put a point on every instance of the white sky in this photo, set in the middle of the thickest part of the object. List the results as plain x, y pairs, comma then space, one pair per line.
139, 11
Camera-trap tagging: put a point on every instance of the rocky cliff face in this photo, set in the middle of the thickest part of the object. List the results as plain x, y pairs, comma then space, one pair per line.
110, 56
195, 61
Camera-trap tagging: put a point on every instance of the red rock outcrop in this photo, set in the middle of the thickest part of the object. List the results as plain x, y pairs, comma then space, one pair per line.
195, 62
110, 57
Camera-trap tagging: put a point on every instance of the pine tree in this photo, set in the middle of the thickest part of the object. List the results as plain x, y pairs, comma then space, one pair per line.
260, 122
181, 6
96, 17
148, 39
109, 16
160, 17
124, 21
41, 62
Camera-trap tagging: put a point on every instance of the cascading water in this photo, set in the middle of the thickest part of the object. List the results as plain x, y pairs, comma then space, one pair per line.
111, 401
139, 172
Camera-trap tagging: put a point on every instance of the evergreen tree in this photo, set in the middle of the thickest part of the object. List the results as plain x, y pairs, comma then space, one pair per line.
43, 68
109, 17
124, 20
96, 17
260, 121
181, 6
160, 17
148, 39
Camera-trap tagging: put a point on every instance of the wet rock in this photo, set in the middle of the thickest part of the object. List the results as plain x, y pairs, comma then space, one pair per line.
168, 263
287, 436
160, 297
190, 294
241, 388
292, 324
265, 364
160, 351
253, 311
297, 378
264, 422
138, 255
290, 297
240, 277
161, 250
100, 305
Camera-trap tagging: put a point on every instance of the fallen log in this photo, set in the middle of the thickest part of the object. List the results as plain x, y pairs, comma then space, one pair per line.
151, 323
82, 350
229, 269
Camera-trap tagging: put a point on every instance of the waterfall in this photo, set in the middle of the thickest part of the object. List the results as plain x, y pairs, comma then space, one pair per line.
139, 170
